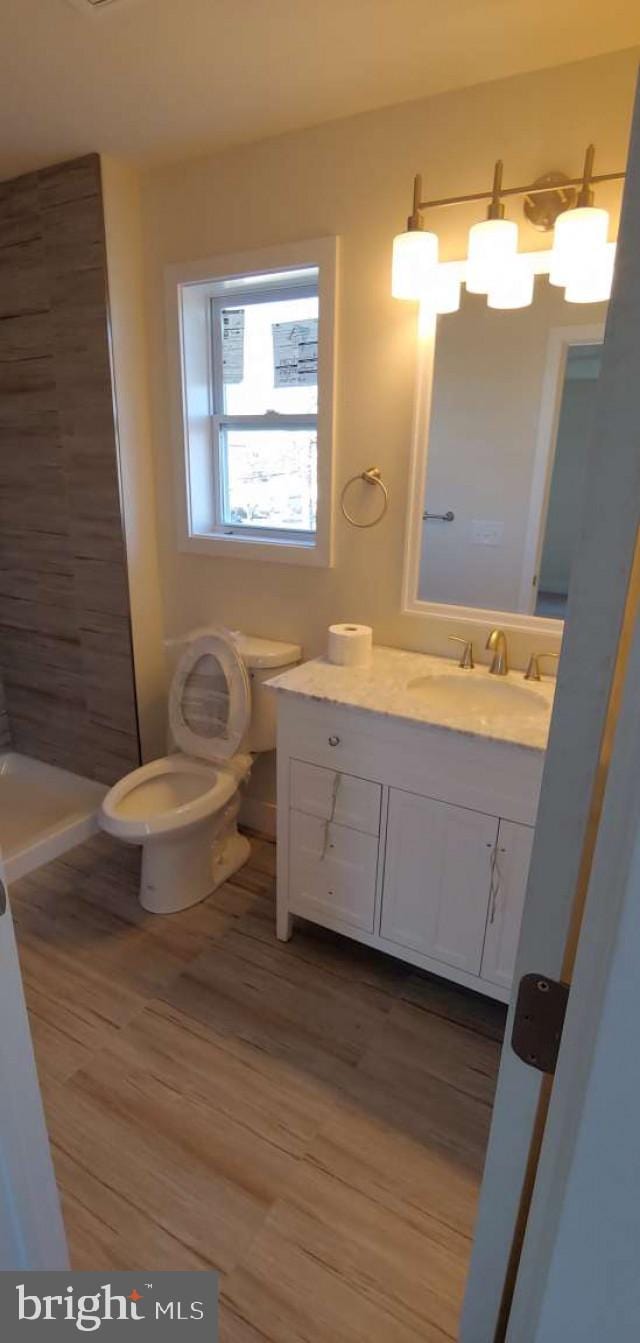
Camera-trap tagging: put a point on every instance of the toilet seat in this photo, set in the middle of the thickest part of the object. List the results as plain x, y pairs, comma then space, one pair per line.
210, 698
169, 794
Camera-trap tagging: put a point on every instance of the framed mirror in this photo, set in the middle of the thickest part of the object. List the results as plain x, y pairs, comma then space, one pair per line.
504, 412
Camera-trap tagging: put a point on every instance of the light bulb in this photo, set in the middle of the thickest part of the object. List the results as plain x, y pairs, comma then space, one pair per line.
578, 235
513, 287
415, 257
491, 243
591, 281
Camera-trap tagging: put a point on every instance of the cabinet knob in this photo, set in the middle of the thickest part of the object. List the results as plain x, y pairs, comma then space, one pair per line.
334, 741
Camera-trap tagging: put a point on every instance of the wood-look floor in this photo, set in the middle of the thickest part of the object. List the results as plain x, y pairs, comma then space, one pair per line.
308, 1118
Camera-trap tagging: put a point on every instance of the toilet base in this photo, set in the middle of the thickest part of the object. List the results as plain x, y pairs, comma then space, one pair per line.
180, 871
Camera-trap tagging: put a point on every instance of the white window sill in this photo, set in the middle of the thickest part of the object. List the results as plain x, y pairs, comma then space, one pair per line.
250, 548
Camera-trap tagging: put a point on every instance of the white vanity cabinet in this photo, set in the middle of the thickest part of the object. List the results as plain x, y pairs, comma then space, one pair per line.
412, 838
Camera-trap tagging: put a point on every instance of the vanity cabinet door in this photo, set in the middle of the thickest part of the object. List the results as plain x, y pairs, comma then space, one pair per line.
332, 872
436, 882
508, 890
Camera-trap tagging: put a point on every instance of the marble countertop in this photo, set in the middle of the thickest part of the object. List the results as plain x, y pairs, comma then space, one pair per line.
385, 688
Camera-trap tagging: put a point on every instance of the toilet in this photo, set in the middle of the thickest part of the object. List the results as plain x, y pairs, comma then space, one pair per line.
183, 808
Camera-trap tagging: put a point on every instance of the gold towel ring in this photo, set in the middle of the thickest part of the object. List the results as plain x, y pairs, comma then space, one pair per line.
373, 477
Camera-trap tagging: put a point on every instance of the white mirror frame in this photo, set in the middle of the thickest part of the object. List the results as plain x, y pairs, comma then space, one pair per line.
425, 362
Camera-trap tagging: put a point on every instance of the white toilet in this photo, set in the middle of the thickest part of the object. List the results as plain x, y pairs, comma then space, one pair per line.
183, 808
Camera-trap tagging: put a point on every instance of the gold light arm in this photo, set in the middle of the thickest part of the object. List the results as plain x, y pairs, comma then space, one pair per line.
414, 222
586, 182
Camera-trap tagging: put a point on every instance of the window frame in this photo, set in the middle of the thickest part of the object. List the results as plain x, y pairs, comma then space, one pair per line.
194, 291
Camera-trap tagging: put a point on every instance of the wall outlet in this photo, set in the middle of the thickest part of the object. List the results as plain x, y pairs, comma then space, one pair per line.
486, 533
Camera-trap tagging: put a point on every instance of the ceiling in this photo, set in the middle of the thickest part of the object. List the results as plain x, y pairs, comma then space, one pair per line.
157, 80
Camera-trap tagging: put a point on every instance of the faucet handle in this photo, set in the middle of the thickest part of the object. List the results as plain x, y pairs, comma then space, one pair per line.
466, 656
533, 669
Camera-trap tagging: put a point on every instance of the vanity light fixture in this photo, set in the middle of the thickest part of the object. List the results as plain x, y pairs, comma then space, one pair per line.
580, 242
580, 233
581, 260
415, 254
493, 243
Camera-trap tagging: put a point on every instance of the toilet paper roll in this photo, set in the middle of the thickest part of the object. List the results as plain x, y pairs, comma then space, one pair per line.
350, 645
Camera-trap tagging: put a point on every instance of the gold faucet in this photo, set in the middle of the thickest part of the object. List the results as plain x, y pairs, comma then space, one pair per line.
497, 644
466, 656
533, 670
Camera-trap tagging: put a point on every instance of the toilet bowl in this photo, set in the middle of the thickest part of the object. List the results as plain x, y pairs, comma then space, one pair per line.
183, 808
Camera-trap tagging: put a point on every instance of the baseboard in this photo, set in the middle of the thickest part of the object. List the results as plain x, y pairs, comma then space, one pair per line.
259, 816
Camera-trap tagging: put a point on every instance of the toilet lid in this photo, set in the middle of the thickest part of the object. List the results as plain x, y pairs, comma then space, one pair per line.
210, 698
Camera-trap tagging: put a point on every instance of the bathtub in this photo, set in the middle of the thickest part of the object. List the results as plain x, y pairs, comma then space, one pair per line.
43, 812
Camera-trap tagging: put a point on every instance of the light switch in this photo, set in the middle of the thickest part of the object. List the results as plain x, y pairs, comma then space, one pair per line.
486, 533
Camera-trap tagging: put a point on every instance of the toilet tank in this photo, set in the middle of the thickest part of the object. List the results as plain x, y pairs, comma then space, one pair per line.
264, 658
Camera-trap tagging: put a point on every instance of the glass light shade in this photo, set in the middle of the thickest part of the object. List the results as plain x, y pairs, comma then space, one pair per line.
415, 257
444, 293
591, 282
513, 286
491, 243
577, 236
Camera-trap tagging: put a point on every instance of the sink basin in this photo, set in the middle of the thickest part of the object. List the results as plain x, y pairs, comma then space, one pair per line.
469, 693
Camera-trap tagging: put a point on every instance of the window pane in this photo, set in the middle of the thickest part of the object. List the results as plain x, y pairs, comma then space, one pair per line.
270, 357
271, 478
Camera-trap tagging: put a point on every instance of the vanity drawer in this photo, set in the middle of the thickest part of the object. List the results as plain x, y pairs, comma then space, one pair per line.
332, 795
333, 738
332, 872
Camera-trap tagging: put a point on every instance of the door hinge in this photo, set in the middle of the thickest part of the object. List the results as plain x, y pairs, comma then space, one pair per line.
539, 1018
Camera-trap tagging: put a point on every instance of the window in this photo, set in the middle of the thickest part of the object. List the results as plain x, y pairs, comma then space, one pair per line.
265, 408
256, 364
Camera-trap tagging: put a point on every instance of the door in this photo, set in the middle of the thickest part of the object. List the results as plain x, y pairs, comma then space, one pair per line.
578, 1274
508, 889
31, 1229
437, 878
561, 340
602, 613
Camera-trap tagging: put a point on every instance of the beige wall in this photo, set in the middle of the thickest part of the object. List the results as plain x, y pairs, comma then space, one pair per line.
353, 178
124, 250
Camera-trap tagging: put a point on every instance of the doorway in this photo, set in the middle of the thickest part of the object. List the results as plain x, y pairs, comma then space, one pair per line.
568, 478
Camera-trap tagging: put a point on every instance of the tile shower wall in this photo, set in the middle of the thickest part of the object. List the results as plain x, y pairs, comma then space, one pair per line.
65, 645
